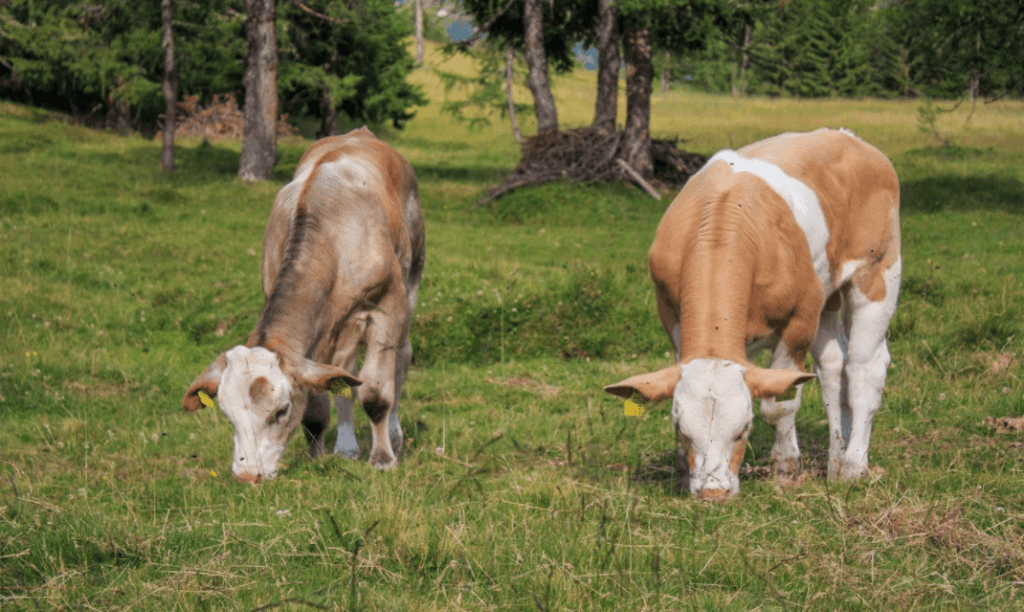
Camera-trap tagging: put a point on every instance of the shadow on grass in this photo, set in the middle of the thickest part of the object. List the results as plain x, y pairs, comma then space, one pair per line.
481, 175
960, 179
962, 193
662, 471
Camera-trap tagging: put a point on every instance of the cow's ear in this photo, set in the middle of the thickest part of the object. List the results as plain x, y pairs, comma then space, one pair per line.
206, 384
653, 386
320, 377
767, 383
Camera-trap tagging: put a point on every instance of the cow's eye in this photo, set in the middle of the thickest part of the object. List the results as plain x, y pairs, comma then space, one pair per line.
279, 415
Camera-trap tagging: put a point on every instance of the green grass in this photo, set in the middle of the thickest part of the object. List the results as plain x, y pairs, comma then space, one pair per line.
523, 486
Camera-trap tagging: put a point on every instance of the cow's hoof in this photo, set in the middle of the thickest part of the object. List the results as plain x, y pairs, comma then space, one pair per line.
346, 446
846, 470
347, 453
788, 467
382, 460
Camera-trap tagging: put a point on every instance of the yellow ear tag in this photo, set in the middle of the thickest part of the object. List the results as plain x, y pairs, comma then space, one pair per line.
634, 409
340, 387
205, 399
788, 395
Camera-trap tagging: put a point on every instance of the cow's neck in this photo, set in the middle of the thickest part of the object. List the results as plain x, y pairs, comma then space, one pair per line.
295, 317
717, 278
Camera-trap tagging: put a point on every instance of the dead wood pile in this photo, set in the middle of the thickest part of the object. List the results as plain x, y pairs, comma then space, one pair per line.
219, 120
589, 155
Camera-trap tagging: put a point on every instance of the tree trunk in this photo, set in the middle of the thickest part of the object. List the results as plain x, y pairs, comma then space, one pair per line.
639, 76
509, 57
739, 86
328, 107
170, 89
418, 8
607, 106
328, 115
666, 73
536, 60
259, 135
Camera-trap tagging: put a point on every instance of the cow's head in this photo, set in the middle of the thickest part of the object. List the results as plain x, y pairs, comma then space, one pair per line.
264, 397
712, 408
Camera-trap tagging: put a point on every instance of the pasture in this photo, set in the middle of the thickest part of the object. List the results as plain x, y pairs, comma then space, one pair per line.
522, 486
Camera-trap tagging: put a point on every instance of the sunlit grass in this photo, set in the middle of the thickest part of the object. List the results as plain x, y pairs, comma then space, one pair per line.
522, 486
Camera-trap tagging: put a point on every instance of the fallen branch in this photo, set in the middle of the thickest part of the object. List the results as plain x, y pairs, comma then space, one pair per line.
588, 155
639, 179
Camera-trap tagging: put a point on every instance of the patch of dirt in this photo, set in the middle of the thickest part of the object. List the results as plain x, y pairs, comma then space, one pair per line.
970, 545
1006, 424
1002, 362
588, 155
100, 390
527, 384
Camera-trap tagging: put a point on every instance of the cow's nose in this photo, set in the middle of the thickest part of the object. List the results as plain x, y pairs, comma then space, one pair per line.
715, 495
249, 478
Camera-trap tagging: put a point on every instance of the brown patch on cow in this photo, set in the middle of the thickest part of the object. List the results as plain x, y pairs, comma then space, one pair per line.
858, 191
731, 259
260, 390
738, 449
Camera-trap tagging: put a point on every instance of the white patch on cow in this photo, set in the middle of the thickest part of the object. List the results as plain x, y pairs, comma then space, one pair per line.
711, 409
846, 272
353, 170
800, 198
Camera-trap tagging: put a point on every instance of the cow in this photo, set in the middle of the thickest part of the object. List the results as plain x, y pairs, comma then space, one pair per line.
793, 244
343, 256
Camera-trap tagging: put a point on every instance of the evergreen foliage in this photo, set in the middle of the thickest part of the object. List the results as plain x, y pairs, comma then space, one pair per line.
968, 46
352, 52
92, 58
819, 48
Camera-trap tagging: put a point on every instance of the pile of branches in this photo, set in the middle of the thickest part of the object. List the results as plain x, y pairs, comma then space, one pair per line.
592, 154
219, 120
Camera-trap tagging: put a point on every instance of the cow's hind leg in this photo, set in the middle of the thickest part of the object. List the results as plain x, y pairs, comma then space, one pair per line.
315, 422
829, 351
346, 444
866, 367
403, 359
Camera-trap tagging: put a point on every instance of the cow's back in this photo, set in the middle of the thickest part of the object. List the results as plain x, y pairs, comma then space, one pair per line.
353, 199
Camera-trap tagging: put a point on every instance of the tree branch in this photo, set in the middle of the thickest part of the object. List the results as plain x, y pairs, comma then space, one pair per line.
302, 7
480, 31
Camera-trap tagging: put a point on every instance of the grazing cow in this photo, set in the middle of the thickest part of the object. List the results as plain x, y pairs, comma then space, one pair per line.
342, 261
791, 243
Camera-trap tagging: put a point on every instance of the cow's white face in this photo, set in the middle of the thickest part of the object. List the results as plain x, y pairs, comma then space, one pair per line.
265, 410
713, 413
265, 400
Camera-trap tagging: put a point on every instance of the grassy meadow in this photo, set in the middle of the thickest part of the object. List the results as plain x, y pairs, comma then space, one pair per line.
522, 486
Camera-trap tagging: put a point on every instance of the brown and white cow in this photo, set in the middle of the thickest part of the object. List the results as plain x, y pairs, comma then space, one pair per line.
791, 243
343, 256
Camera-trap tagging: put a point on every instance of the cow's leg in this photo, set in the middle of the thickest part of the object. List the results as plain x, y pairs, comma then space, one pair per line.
315, 422
785, 456
403, 360
346, 444
829, 351
378, 393
866, 367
